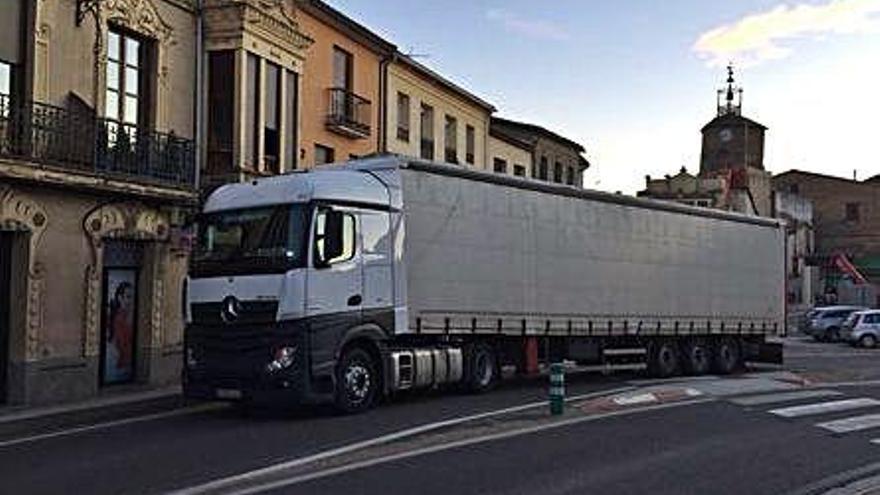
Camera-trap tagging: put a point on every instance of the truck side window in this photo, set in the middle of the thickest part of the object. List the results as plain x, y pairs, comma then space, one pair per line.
349, 235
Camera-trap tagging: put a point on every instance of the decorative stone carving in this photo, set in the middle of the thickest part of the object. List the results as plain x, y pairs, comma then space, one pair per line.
20, 212
116, 221
138, 15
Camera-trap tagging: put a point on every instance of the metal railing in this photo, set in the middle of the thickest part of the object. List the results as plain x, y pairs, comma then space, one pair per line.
77, 141
349, 113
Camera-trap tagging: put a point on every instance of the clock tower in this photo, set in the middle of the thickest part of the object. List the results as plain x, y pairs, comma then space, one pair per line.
731, 141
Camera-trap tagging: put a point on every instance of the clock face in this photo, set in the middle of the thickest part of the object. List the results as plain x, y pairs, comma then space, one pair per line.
725, 135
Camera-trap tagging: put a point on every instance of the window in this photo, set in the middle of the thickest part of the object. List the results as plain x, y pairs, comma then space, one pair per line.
221, 95
543, 172
323, 154
426, 122
500, 166
450, 136
252, 105
557, 173
342, 69
794, 189
5, 88
519, 171
290, 134
348, 237
569, 176
470, 144
272, 117
127, 85
852, 212
403, 117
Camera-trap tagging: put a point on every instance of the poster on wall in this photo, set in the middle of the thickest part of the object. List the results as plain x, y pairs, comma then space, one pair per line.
119, 325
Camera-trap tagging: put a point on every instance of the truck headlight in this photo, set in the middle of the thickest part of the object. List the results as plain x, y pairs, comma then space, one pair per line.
284, 358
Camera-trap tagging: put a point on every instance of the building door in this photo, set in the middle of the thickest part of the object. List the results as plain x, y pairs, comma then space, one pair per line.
119, 336
5, 302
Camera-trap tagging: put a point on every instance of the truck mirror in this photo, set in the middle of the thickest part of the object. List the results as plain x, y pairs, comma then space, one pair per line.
332, 237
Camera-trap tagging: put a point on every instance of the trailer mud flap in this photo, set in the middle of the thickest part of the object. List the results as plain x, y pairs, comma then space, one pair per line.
765, 352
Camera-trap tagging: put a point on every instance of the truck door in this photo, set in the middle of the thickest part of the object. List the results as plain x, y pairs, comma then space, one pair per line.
376, 253
334, 282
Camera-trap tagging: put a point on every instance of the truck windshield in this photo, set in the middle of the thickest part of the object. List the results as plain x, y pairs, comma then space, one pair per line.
254, 240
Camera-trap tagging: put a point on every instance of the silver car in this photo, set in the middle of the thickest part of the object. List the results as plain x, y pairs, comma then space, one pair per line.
862, 328
825, 324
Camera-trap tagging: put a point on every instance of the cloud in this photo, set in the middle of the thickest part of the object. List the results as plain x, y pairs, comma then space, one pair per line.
762, 36
533, 28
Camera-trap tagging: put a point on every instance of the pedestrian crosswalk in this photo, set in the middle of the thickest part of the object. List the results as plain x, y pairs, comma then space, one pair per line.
831, 410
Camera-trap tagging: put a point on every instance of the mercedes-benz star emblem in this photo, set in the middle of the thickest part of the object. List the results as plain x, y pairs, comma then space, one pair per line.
230, 310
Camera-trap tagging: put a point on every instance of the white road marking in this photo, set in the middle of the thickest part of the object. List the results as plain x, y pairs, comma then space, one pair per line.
757, 400
229, 488
220, 483
632, 400
825, 407
112, 424
855, 423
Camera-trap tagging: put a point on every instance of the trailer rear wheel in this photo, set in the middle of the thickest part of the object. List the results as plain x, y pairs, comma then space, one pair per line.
357, 381
663, 360
698, 357
727, 356
481, 371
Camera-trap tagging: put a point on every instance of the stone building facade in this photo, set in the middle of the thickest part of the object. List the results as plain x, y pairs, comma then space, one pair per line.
97, 171
430, 117
846, 221
554, 158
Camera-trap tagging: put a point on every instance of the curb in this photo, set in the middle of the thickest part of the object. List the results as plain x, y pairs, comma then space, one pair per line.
124, 405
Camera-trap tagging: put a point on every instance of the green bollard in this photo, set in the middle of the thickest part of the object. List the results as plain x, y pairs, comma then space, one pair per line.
557, 388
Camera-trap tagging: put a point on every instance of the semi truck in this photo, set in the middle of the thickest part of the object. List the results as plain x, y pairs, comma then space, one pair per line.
352, 282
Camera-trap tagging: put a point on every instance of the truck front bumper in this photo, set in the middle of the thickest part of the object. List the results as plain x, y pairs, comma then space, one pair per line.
235, 364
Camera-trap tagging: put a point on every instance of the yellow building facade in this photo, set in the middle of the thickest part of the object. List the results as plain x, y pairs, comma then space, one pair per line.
429, 117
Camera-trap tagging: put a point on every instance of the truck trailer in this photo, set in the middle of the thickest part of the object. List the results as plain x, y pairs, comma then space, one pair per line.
351, 282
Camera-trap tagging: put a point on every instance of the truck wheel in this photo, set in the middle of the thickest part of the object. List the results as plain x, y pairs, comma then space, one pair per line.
664, 360
357, 381
727, 357
698, 358
868, 341
482, 369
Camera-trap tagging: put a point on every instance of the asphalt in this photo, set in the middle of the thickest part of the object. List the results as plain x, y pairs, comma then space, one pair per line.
706, 447
173, 452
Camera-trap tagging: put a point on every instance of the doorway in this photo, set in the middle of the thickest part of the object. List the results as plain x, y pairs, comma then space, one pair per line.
119, 311
5, 303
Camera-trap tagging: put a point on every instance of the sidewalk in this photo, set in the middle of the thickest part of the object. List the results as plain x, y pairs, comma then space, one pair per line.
111, 406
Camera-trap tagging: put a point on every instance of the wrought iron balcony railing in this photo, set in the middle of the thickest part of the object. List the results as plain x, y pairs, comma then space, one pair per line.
349, 113
77, 141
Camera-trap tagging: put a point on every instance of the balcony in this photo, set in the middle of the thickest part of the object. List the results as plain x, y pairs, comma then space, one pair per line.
66, 140
349, 114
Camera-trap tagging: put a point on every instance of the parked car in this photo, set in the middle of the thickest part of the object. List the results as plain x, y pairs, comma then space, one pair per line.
862, 328
824, 324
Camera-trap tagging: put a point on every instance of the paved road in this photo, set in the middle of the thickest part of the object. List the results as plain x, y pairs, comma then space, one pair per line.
742, 434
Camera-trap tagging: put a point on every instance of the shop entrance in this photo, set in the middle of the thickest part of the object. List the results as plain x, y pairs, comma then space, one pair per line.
119, 332
5, 303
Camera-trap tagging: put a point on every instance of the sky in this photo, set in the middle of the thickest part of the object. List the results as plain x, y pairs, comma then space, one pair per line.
634, 81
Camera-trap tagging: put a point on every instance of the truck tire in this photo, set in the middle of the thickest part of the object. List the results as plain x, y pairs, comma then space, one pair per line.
727, 356
697, 357
357, 381
664, 360
481, 370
